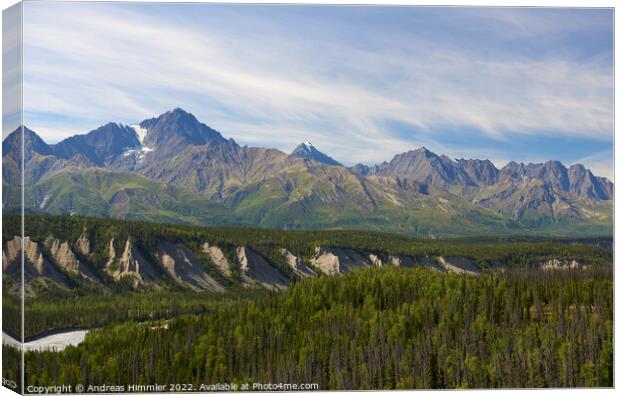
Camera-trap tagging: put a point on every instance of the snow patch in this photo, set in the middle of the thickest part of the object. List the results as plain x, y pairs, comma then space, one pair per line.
129, 152
308, 144
44, 202
140, 132
138, 153
142, 152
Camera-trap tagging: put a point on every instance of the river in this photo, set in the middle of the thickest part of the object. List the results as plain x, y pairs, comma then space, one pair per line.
52, 342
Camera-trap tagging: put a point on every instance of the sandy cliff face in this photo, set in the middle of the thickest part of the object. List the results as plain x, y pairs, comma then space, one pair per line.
131, 263
458, 265
338, 260
218, 258
402, 261
11, 252
82, 246
326, 261
111, 263
185, 268
51, 262
63, 255
411, 262
297, 265
554, 264
32, 255
35, 263
375, 260
255, 268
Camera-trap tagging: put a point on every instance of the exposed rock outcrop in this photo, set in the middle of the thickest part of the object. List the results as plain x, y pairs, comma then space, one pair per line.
401, 261
10, 252
297, 265
33, 257
338, 260
35, 263
131, 263
255, 268
185, 268
217, 257
375, 260
554, 264
62, 254
111, 255
457, 265
411, 262
82, 245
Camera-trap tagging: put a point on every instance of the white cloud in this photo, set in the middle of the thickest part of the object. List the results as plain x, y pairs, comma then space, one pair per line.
11, 70
599, 163
100, 63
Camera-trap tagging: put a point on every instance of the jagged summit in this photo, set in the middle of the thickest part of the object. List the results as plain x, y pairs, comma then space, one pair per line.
33, 144
427, 167
177, 128
308, 151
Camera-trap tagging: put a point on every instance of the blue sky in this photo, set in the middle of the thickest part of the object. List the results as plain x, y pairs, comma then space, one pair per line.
361, 83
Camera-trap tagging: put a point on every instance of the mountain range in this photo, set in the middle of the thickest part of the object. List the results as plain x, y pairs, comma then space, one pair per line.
173, 168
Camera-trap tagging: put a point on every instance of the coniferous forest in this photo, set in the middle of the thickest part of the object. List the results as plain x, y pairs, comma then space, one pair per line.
384, 328
512, 323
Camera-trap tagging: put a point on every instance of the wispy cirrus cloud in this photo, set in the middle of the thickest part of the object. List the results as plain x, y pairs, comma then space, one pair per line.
339, 76
11, 69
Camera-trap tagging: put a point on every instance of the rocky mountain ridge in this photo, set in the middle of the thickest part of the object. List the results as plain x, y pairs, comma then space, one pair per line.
429, 168
174, 168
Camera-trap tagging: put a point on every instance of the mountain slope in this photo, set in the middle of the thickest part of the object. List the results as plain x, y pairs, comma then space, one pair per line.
124, 195
101, 146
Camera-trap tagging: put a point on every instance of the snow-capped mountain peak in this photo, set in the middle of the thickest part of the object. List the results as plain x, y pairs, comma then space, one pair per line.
308, 151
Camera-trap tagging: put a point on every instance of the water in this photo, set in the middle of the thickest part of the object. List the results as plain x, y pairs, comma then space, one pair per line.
52, 342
